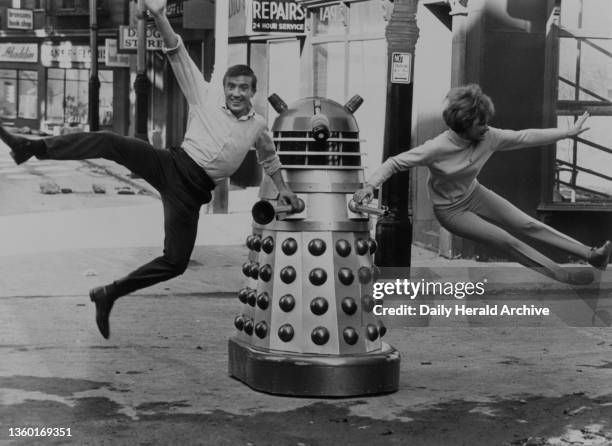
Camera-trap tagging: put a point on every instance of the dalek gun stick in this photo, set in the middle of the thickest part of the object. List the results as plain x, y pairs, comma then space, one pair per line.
382, 211
264, 212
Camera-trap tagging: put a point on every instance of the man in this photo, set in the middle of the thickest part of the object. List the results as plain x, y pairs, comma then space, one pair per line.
220, 131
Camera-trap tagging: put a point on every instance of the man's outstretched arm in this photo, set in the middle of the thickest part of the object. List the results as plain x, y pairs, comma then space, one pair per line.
158, 11
188, 75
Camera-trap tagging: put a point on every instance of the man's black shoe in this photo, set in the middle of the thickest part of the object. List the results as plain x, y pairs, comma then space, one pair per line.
600, 257
104, 299
18, 145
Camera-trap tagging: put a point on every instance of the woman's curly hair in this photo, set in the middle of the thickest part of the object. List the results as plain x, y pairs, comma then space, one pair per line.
466, 105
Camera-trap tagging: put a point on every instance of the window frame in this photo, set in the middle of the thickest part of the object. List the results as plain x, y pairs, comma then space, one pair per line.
555, 108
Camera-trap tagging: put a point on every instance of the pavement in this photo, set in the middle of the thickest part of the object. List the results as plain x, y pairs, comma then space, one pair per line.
162, 376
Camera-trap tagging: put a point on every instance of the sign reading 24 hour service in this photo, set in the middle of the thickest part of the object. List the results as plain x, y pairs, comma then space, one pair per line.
276, 16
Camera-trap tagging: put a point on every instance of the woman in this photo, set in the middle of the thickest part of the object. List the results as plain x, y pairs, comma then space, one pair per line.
472, 211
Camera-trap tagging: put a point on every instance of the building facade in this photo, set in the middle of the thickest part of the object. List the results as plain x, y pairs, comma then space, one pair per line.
45, 62
544, 64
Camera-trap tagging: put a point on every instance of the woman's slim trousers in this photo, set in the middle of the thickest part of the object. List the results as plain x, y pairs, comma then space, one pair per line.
487, 218
182, 184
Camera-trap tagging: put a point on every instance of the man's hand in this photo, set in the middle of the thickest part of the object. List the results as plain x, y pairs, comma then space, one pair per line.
577, 128
364, 195
157, 7
286, 196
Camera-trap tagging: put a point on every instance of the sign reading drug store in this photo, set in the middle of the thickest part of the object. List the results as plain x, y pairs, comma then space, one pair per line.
252, 17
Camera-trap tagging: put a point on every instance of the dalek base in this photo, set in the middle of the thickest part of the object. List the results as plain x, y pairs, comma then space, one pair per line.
284, 373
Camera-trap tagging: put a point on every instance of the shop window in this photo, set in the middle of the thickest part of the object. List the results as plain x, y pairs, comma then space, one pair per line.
582, 172
18, 94
349, 57
68, 96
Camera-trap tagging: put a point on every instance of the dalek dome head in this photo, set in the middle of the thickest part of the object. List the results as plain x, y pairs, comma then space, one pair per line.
312, 128
316, 115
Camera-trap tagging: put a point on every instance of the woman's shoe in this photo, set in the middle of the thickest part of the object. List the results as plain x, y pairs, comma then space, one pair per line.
600, 257
581, 278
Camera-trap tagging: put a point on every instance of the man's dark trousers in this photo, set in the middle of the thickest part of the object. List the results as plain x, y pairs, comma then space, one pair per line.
183, 185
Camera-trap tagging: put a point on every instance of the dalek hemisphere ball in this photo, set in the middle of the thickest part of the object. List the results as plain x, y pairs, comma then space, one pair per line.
304, 321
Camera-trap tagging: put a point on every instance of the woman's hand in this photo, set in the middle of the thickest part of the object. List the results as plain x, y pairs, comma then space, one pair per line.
577, 128
157, 7
364, 195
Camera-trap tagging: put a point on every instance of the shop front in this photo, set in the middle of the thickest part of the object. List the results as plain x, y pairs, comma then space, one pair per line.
20, 88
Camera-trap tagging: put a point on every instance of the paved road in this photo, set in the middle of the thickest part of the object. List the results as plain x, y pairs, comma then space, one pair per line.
162, 377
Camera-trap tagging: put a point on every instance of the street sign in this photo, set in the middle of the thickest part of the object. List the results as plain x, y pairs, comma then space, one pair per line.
278, 16
19, 18
128, 39
401, 68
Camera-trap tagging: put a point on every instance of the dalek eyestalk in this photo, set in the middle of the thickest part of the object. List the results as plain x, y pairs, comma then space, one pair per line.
370, 210
264, 212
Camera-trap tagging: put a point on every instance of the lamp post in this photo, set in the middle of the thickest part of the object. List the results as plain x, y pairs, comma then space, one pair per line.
94, 82
141, 83
394, 232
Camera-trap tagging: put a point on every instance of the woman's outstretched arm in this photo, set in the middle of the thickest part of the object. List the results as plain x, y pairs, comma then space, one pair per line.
519, 139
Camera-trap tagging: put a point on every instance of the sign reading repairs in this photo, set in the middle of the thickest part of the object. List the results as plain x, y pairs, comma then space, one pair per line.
277, 16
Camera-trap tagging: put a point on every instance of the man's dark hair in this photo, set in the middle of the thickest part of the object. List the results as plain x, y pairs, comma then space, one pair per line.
466, 105
241, 70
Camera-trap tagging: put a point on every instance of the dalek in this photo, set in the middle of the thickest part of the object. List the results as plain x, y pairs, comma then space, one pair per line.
306, 325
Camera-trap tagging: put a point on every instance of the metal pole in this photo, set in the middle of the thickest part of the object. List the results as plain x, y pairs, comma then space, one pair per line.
94, 82
394, 232
221, 194
141, 83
